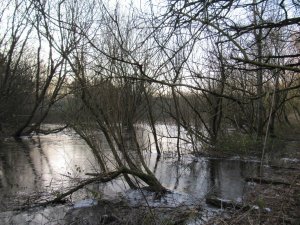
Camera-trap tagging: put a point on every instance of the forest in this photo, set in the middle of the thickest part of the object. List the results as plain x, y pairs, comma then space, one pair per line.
224, 74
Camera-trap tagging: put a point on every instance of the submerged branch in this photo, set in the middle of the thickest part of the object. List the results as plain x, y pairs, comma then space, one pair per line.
50, 131
100, 178
103, 178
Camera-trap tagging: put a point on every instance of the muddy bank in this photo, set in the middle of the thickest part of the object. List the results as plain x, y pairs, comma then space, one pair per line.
97, 212
119, 212
267, 201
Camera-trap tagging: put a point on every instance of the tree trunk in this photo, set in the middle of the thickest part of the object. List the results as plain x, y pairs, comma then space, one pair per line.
259, 76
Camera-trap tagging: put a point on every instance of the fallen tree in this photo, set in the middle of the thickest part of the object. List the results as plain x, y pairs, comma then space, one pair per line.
224, 203
153, 185
261, 180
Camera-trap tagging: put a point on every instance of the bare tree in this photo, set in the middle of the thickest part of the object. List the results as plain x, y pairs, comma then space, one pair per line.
28, 50
109, 93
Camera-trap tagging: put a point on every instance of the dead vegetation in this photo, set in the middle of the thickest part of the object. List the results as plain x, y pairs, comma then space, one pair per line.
271, 204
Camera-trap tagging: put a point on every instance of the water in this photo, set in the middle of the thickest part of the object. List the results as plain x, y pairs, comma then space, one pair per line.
42, 165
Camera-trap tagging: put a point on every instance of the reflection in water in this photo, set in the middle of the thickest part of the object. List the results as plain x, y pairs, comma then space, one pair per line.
25, 148
39, 164
28, 166
226, 179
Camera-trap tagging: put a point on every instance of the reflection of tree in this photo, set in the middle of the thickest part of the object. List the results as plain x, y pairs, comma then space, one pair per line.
26, 150
7, 167
42, 153
212, 175
227, 179
18, 167
177, 177
4, 177
156, 164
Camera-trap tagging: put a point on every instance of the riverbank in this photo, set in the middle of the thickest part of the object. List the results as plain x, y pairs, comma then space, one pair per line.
271, 203
274, 197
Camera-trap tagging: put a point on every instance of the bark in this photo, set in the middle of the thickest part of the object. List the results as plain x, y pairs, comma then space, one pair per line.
152, 123
259, 76
275, 106
218, 106
177, 118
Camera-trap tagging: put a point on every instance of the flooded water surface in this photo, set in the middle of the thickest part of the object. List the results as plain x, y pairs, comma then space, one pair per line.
44, 165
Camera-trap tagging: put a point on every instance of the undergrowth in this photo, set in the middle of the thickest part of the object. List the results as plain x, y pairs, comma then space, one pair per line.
244, 144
